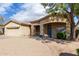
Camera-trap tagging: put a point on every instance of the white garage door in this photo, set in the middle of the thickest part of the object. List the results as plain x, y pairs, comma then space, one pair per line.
12, 32
22, 31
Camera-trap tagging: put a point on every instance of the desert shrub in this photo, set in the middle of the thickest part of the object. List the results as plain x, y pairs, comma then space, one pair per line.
77, 50
61, 35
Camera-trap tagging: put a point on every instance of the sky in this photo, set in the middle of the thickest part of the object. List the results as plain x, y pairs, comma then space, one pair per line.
75, 19
21, 11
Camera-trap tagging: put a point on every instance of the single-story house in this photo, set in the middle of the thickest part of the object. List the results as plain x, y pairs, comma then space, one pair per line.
14, 28
50, 25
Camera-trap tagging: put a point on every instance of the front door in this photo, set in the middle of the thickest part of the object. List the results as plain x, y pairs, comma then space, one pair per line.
37, 30
49, 29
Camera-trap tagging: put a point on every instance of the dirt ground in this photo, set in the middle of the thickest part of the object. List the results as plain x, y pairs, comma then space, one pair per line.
66, 49
22, 46
25, 46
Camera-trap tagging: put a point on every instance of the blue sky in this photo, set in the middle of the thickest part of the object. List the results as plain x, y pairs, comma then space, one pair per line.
12, 9
21, 11
75, 19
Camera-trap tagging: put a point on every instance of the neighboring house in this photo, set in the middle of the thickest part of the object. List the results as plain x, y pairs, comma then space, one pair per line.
1, 29
76, 34
14, 28
50, 25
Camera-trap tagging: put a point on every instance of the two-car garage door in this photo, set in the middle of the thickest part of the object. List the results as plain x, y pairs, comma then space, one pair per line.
21, 31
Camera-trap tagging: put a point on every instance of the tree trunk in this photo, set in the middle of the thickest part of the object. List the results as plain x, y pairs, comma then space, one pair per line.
72, 32
72, 26
71, 19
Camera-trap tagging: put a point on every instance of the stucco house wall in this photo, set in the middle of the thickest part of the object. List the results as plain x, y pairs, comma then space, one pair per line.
57, 21
21, 30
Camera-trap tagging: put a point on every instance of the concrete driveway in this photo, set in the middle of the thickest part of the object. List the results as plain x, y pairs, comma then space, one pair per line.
22, 46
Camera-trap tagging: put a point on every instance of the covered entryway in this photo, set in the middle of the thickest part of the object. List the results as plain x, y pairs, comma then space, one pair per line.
48, 29
58, 27
51, 29
37, 30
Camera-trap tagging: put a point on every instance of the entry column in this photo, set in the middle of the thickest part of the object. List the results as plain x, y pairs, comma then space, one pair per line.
68, 30
74, 33
41, 30
32, 30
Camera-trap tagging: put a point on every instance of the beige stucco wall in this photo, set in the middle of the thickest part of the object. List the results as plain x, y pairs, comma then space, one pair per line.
54, 20
51, 19
21, 31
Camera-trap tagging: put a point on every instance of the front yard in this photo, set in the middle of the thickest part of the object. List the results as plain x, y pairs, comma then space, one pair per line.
22, 46
25, 46
63, 48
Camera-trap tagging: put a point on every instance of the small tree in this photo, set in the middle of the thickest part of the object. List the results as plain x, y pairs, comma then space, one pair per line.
70, 9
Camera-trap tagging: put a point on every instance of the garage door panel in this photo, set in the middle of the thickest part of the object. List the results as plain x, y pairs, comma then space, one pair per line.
22, 31
12, 32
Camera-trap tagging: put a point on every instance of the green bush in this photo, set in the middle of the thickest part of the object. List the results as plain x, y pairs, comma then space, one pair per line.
77, 50
61, 35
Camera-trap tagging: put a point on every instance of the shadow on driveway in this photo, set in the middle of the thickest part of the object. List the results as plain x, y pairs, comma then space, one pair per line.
67, 54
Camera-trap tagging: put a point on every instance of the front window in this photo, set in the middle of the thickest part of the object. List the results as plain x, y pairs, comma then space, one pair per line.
61, 29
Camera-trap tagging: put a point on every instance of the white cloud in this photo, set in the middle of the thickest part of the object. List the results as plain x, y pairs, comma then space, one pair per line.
4, 7
29, 12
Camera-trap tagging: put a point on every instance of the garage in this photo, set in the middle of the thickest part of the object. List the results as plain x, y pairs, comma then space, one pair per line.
17, 29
